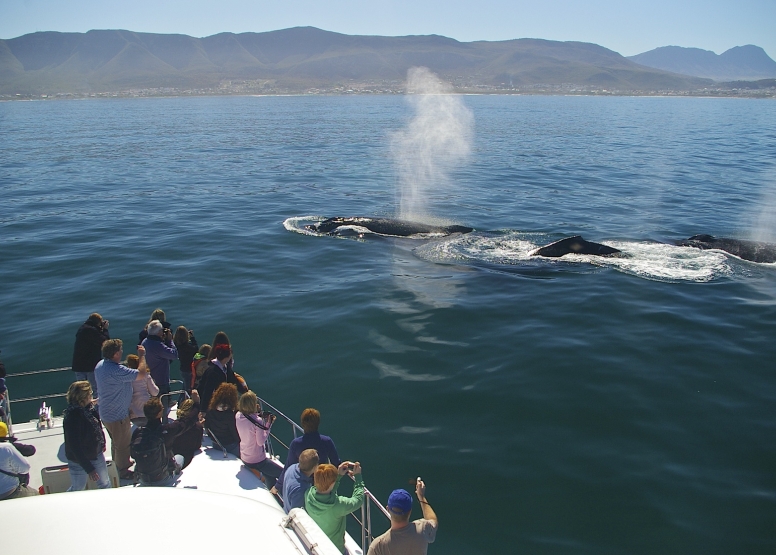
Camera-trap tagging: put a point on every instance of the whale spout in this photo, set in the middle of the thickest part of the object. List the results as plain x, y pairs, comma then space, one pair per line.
386, 226
753, 251
575, 245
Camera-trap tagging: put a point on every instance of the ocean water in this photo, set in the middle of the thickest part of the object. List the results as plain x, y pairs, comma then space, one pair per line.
572, 406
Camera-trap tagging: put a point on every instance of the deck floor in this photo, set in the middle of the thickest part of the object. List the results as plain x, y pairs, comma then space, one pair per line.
209, 470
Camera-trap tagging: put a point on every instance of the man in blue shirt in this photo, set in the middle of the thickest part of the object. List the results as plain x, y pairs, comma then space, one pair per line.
298, 479
160, 351
312, 439
115, 384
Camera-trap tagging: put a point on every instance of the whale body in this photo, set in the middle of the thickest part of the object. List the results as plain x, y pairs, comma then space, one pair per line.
386, 226
575, 245
754, 251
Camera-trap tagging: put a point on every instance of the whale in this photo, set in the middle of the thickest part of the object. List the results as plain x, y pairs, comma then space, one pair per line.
386, 226
575, 245
753, 251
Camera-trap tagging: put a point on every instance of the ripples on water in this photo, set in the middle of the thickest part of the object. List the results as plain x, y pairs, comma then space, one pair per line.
579, 405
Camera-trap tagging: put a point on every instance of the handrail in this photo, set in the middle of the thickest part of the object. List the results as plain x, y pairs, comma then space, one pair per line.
294, 427
215, 438
7, 400
176, 391
366, 508
33, 372
39, 397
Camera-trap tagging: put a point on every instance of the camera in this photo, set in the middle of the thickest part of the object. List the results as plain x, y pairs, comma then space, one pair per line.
266, 415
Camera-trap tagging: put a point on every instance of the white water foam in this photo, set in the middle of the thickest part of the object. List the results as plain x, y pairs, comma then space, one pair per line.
297, 223
648, 260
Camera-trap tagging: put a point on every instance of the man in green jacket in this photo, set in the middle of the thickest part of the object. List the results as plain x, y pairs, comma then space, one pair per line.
325, 507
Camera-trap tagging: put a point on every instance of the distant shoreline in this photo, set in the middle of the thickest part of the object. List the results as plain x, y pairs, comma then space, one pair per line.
768, 93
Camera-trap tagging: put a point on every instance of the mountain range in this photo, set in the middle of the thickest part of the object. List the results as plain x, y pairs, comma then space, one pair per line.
300, 58
739, 63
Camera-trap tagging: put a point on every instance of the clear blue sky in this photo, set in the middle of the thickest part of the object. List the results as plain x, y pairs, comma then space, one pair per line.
625, 26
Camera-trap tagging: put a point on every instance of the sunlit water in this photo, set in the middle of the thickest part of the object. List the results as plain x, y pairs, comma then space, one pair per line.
575, 405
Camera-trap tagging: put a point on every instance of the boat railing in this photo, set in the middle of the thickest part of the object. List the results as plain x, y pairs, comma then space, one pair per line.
365, 520
6, 403
178, 392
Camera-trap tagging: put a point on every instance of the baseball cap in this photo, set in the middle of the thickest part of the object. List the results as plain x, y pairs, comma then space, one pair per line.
400, 501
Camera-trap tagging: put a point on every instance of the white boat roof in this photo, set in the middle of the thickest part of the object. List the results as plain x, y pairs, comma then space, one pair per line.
215, 502
123, 520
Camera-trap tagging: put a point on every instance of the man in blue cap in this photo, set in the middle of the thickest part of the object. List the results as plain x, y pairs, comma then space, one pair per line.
405, 537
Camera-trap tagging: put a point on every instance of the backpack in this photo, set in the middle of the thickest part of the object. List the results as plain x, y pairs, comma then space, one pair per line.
150, 454
198, 367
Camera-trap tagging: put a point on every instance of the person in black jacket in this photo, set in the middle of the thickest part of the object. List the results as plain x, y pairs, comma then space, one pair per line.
218, 371
220, 418
152, 444
187, 346
157, 314
84, 438
188, 442
87, 351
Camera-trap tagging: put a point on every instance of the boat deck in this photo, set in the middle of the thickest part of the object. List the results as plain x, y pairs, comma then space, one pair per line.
220, 474
220, 477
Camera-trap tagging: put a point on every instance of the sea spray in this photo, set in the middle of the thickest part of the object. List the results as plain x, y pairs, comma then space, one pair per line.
433, 143
765, 224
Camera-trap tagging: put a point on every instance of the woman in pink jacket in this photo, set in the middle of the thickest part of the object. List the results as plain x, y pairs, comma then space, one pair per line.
254, 431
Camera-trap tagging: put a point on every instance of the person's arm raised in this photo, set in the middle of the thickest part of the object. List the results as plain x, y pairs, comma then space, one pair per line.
428, 512
142, 367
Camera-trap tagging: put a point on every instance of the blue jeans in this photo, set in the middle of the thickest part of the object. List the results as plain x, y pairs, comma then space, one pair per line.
79, 476
88, 376
270, 470
233, 448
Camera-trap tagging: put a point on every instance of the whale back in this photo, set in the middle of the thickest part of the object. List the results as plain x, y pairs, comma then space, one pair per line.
575, 245
387, 226
753, 251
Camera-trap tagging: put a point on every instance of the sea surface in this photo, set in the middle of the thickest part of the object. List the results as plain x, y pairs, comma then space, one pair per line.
552, 406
